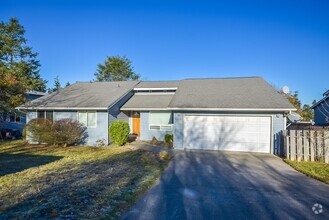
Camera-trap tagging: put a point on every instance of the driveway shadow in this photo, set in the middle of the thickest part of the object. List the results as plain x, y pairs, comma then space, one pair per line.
12, 163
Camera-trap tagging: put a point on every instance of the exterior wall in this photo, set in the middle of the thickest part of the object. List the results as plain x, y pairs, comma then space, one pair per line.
100, 132
146, 133
276, 130
115, 114
94, 134
14, 125
319, 115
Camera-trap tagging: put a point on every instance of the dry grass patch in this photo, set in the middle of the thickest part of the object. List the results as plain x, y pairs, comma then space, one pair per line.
316, 170
73, 182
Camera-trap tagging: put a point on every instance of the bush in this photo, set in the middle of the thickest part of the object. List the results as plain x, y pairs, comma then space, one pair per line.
169, 138
40, 130
119, 131
68, 132
62, 132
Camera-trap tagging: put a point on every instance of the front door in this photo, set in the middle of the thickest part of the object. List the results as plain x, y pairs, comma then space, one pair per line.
136, 123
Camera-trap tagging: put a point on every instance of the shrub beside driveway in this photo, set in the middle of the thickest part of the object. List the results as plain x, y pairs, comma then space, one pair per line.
73, 182
316, 170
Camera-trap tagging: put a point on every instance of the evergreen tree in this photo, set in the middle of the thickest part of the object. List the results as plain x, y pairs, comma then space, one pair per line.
116, 68
19, 67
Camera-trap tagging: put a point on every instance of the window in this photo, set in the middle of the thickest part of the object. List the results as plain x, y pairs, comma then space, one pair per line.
161, 121
49, 115
17, 118
40, 114
89, 119
12, 117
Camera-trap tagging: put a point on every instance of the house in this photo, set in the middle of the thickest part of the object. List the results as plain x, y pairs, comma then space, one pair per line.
321, 110
235, 114
17, 120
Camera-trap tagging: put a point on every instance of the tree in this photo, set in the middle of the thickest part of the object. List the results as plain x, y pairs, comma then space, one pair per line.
19, 67
116, 68
67, 84
57, 84
305, 112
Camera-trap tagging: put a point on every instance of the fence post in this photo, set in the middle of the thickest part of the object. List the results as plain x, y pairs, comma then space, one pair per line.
299, 146
287, 145
312, 144
306, 146
326, 146
292, 145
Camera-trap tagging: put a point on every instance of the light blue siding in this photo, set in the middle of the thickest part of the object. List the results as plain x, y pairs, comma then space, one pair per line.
94, 134
146, 133
115, 114
276, 130
277, 134
99, 132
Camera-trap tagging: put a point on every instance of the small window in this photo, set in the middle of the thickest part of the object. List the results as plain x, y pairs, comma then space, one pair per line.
12, 118
49, 115
89, 119
41, 114
17, 118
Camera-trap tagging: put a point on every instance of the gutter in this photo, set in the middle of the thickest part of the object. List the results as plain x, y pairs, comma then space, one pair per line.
237, 109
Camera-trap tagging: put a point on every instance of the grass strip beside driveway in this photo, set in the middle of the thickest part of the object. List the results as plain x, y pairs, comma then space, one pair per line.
39, 181
316, 170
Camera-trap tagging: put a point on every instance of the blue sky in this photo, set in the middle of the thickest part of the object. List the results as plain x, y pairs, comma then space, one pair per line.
286, 42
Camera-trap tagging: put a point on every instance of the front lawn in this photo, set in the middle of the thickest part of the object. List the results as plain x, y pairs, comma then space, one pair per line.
39, 181
319, 171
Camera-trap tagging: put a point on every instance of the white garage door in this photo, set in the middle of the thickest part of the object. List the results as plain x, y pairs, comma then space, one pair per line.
231, 133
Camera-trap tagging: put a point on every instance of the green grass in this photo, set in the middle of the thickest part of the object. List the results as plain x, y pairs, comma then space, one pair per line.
39, 181
316, 170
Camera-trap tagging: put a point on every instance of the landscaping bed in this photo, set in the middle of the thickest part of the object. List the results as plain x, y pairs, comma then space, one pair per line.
316, 170
38, 181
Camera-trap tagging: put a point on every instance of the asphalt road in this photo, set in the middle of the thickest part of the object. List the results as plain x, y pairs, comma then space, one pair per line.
227, 185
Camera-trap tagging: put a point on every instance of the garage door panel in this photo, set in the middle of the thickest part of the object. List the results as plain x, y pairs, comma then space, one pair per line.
232, 133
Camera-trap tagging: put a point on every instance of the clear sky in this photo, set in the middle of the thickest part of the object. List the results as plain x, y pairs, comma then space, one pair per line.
286, 42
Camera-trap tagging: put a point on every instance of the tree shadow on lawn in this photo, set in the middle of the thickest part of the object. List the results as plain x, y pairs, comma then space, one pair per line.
94, 189
12, 163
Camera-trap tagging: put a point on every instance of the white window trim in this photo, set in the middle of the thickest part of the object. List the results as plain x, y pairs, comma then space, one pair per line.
161, 126
87, 118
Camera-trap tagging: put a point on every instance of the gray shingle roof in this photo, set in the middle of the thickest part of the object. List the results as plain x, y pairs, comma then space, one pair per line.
98, 95
147, 102
228, 93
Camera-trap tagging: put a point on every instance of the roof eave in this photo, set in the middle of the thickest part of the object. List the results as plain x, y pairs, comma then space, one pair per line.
60, 108
144, 109
236, 109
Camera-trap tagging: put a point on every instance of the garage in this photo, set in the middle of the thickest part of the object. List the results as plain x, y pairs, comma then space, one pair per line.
228, 133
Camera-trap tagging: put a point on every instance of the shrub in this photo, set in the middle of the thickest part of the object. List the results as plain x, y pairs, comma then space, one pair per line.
164, 155
62, 132
119, 131
40, 130
169, 138
68, 132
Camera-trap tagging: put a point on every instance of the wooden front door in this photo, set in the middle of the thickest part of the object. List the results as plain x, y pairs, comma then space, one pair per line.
136, 123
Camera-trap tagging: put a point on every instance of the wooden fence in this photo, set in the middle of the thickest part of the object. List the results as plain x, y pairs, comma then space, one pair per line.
307, 143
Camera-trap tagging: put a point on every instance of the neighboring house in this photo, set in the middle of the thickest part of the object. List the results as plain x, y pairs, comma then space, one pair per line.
16, 121
235, 114
321, 110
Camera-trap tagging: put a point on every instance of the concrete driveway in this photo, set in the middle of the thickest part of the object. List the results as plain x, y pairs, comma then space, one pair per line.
225, 185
